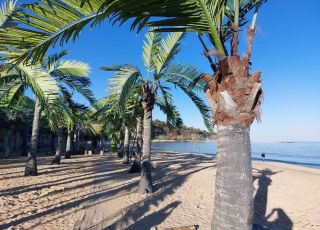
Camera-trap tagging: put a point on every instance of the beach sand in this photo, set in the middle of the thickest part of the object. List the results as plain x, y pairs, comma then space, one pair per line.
97, 193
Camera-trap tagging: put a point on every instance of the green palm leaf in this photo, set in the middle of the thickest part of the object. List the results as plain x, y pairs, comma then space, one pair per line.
121, 83
150, 49
169, 47
42, 84
6, 8
45, 23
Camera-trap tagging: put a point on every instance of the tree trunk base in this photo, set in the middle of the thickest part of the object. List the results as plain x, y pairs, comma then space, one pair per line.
68, 155
145, 184
56, 161
30, 171
135, 167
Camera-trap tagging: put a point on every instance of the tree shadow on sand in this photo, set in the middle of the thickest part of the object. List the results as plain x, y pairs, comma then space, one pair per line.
261, 218
141, 214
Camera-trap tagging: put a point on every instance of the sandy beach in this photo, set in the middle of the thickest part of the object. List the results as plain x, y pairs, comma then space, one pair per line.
97, 193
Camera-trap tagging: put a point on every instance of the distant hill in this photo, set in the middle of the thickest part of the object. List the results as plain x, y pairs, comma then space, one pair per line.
160, 131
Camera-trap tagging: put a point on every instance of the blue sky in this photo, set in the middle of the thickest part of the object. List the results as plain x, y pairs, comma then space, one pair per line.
286, 50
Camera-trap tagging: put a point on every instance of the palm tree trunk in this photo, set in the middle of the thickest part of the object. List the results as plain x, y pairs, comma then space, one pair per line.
145, 185
125, 159
139, 137
233, 205
136, 165
57, 157
69, 145
101, 145
234, 96
31, 165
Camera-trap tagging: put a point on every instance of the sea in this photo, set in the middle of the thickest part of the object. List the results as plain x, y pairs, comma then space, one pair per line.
298, 153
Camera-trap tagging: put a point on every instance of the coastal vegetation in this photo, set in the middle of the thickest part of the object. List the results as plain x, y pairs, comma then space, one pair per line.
161, 132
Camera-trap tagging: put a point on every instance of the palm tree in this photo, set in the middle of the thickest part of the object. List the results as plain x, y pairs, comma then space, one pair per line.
46, 81
15, 80
158, 53
66, 115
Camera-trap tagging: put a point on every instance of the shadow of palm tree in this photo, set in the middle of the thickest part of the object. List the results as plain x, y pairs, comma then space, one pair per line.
261, 219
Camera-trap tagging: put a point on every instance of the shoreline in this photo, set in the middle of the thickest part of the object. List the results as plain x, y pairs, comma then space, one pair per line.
254, 159
161, 141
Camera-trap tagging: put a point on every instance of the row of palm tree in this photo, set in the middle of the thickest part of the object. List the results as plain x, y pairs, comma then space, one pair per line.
232, 91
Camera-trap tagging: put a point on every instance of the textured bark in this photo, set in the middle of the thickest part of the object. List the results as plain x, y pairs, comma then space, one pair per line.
234, 96
125, 159
145, 184
57, 157
139, 136
69, 145
101, 145
31, 165
233, 204
136, 165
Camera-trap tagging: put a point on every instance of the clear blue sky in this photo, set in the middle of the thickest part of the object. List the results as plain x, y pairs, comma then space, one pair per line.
286, 49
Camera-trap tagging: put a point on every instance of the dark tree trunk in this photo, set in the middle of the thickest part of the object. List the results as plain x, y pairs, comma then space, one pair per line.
125, 159
233, 195
234, 96
136, 165
145, 184
101, 145
31, 165
57, 157
25, 141
69, 145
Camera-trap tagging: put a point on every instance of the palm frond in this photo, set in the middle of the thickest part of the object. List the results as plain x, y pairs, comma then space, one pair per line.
41, 83
43, 24
68, 68
166, 105
186, 74
122, 82
200, 104
6, 8
11, 93
169, 47
150, 49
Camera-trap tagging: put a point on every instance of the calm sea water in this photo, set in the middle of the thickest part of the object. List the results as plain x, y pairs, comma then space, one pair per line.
299, 153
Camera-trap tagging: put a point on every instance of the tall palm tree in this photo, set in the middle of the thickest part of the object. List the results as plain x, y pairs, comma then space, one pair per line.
158, 53
131, 115
15, 81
